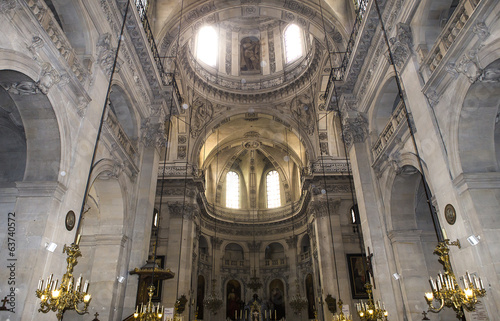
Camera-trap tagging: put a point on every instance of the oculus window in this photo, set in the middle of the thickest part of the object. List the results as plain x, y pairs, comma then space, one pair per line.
293, 43
232, 190
207, 45
273, 189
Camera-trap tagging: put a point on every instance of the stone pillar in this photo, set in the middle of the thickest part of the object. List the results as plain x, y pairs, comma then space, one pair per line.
372, 220
141, 233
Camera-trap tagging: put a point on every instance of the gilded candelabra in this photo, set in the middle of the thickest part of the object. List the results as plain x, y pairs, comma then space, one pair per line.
213, 303
68, 295
371, 310
341, 316
445, 288
149, 312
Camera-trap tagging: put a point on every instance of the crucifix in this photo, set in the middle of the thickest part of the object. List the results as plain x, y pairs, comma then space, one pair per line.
3, 307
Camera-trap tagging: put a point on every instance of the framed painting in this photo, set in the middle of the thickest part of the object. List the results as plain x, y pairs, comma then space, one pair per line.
358, 275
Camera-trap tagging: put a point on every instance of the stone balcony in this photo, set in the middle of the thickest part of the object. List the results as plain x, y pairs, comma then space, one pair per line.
451, 31
396, 124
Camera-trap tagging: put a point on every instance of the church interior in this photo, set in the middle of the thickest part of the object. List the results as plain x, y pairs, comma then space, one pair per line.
256, 160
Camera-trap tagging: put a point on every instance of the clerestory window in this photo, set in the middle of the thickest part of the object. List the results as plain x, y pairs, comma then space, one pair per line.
273, 189
207, 46
293, 43
232, 190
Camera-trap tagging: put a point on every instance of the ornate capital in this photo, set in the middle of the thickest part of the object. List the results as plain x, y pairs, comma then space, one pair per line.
355, 129
401, 44
153, 132
106, 54
7, 5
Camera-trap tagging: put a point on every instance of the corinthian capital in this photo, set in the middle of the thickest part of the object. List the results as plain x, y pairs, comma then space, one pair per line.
355, 129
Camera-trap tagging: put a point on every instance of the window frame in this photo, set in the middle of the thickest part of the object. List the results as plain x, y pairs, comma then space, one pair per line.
278, 186
301, 42
197, 45
229, 200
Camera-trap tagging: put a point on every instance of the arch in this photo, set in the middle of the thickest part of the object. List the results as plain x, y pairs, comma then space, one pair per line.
200, 296
386, 102
429, 20
103, 237
234, 251
277, 298
478, 129
309, 286
233, 302
33, 116
274, 251
74, 24
120, 105
305, 244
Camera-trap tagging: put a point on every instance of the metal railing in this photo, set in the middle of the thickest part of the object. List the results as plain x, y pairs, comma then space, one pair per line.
167, 78
338, 73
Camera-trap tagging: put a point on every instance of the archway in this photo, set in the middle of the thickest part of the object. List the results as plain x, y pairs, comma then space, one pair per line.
412, 232
233, 302
103, 243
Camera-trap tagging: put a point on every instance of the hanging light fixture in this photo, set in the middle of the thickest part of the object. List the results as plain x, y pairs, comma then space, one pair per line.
297, 302
213, 303
68, 295
371, 310
254, 283
447, 291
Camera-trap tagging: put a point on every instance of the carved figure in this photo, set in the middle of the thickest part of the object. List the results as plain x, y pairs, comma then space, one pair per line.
250, 54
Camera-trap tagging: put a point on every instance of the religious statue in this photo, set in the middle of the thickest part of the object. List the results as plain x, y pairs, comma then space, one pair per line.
250, 54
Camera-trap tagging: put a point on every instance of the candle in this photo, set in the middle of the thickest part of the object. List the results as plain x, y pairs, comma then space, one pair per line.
265, 314
246, 314
241, 314
86, 286
444, 234
274, 314
235, 314
481, 282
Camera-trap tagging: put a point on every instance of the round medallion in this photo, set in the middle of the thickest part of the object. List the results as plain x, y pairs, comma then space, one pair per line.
450, 214
70, 220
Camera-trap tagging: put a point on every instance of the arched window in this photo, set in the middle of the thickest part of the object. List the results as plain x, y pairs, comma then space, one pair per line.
273, 189
293, 43
206, 47
232, 190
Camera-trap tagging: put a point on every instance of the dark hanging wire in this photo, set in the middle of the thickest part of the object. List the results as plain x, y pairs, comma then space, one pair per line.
435, 220
99, 130
323, 164
187, 158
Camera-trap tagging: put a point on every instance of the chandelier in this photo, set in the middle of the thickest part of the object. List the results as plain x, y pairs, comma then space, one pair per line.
371, 310
68, 296
341, 316
445, 288
213, 303
298, 303
254, 283
149, 312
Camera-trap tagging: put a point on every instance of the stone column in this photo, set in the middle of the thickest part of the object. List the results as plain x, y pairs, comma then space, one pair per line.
372, 220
